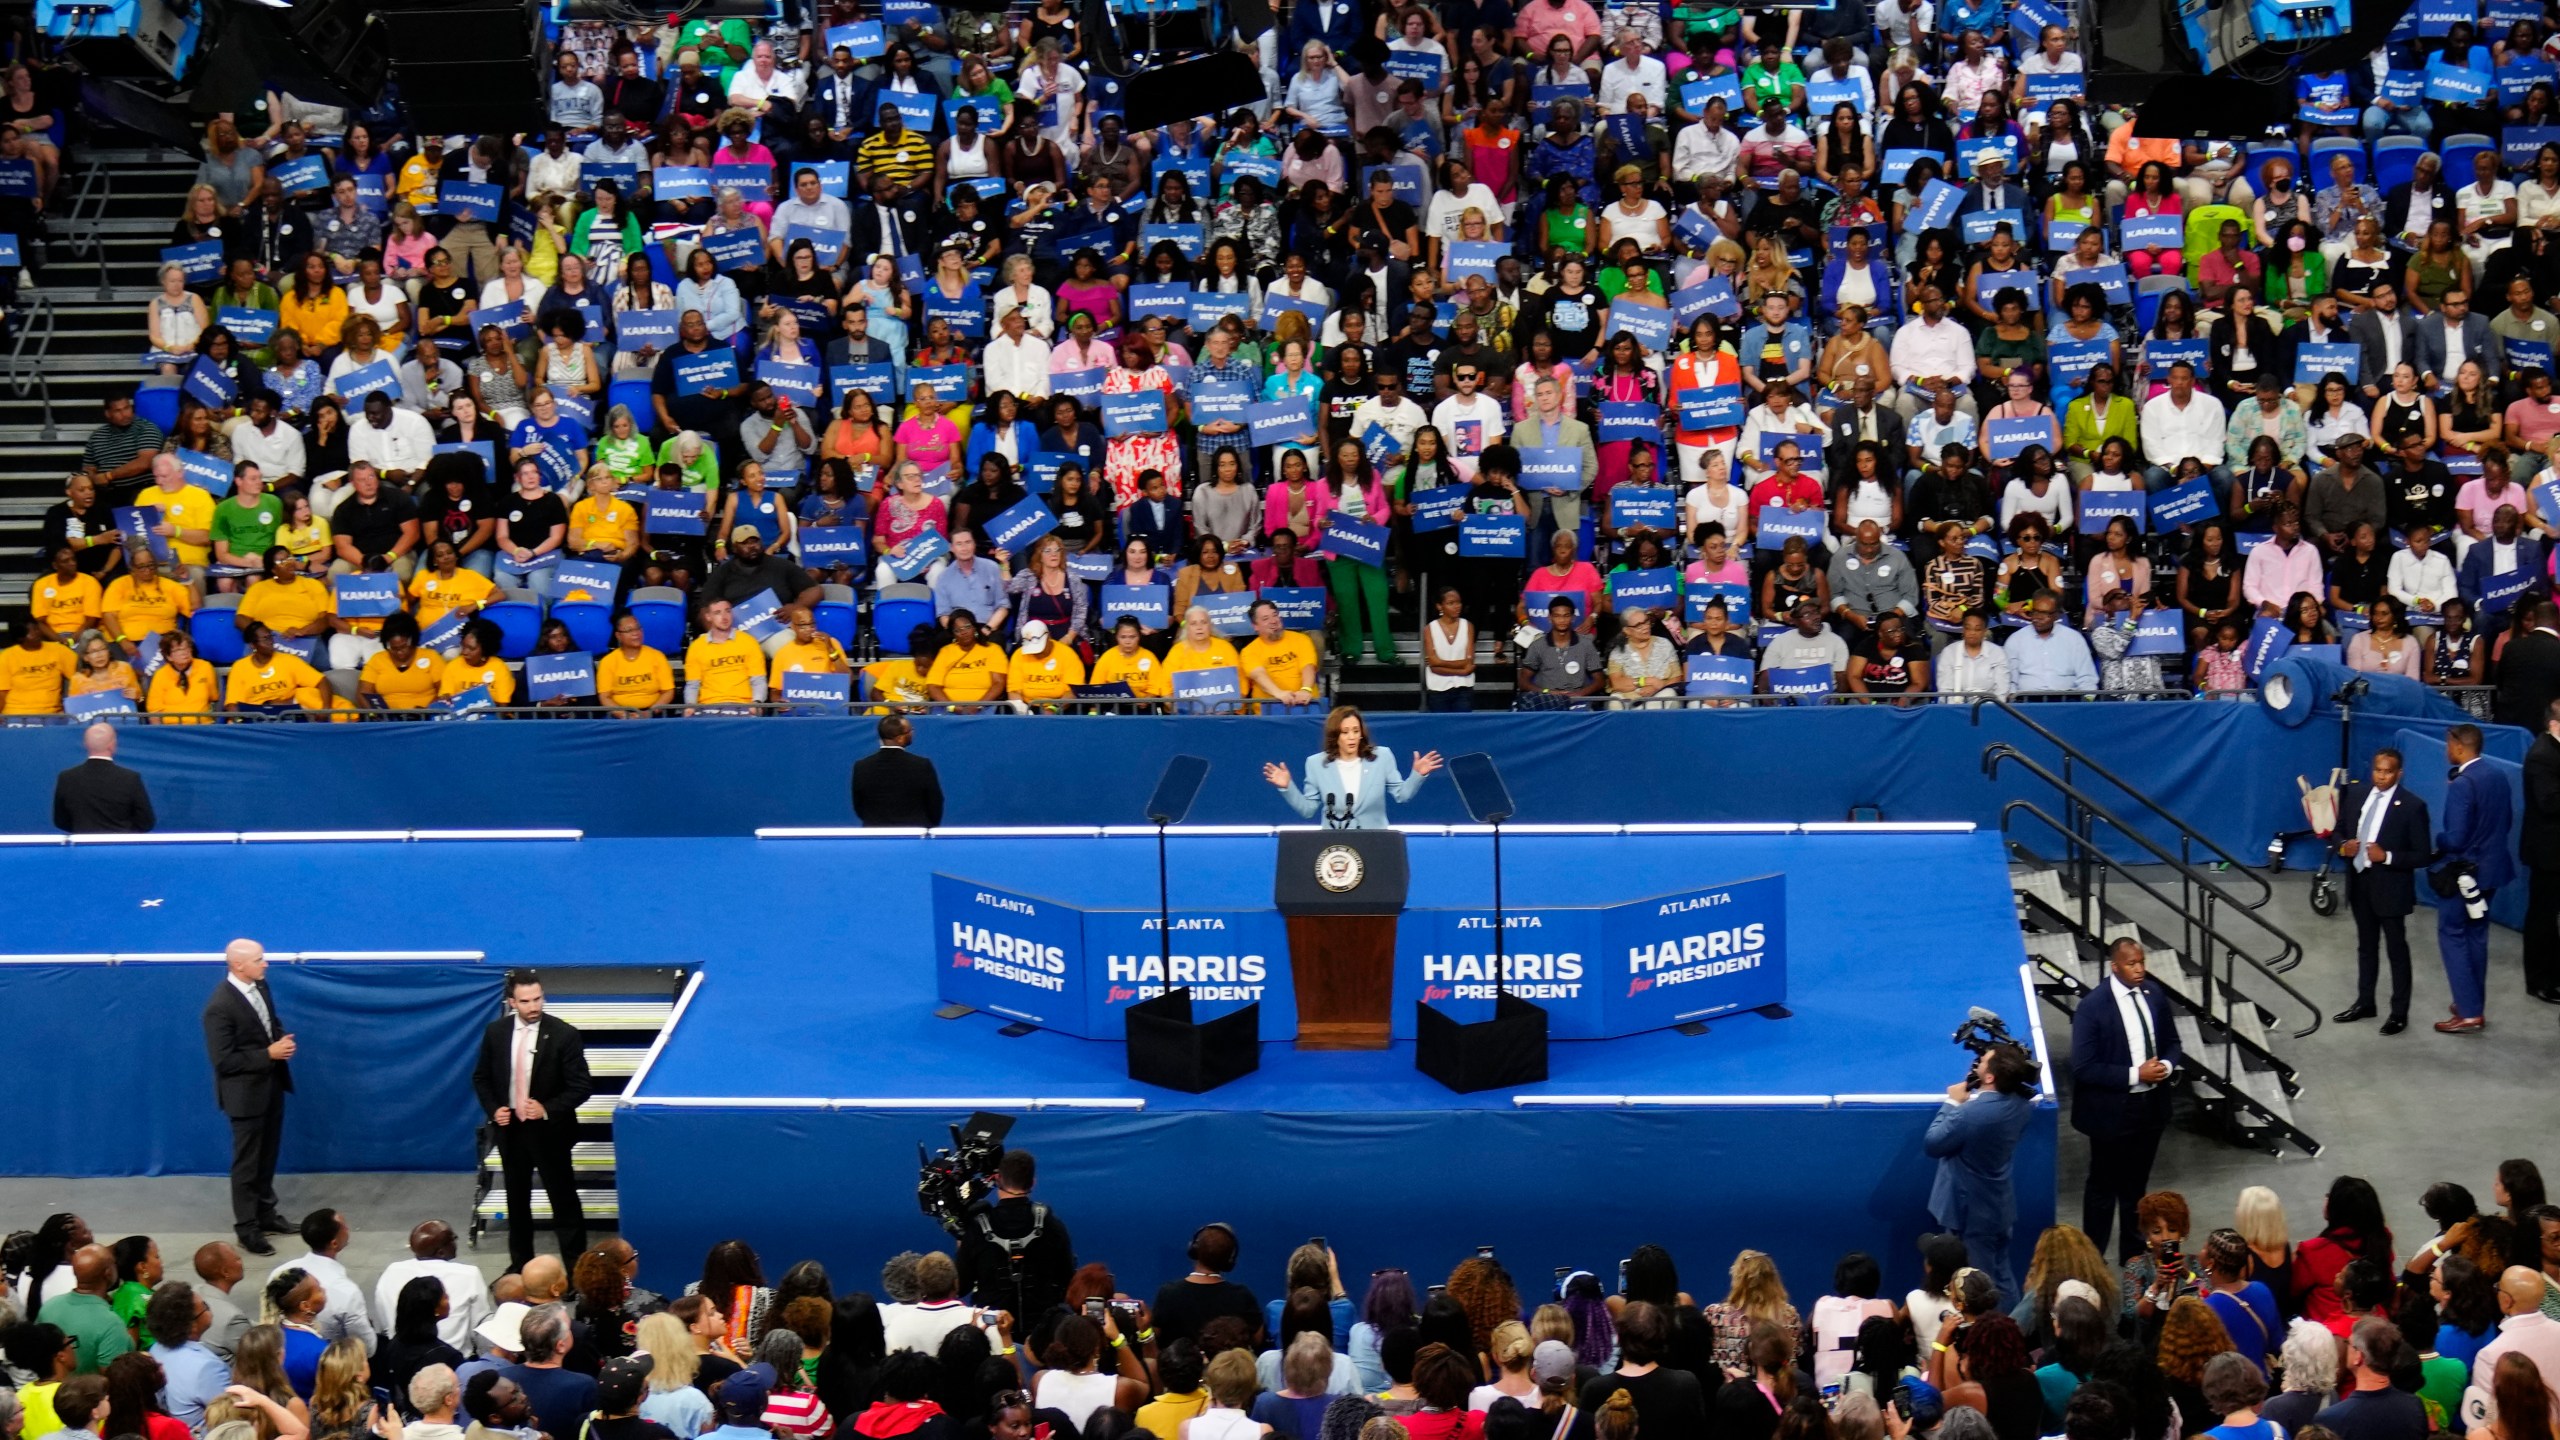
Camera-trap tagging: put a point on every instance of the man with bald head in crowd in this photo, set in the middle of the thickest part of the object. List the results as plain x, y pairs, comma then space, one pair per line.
218, 1268
84, 1316
2522, 1328
432, 1249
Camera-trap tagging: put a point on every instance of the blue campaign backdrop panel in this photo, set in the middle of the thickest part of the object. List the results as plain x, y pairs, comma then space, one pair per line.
1922, 763
382, 1073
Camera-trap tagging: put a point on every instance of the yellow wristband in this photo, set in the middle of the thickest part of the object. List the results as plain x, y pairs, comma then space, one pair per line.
1006, 1351
1118, 1341
1940, 1346
1146, 1335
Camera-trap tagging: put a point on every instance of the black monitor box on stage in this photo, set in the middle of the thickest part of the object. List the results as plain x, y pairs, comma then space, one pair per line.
1168, 1048
1468, 1056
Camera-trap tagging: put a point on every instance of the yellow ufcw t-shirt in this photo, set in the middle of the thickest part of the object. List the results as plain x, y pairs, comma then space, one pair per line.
436, 596
410, 687
69, 606
492, 673
286, 606
1290, 661
821, 657
36, 677
186, 508
283, 680
967, 674
897, 681
1052, 674
726, 670
147, 611
633, 681
1143, 673
190, 694
607, 524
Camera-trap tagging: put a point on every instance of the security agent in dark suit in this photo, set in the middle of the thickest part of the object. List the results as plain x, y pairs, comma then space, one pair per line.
2383, 836
2473, 865
531, 1079
2539, 849
2124, 1049
252, 1056
1973, 1137
99, 796
893, 787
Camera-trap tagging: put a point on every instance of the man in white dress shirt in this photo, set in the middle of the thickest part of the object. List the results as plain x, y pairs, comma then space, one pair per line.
343, 1314
431, 1256
1016, 360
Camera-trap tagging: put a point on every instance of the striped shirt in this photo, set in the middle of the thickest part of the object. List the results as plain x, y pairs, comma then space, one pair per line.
111, 447
904, 160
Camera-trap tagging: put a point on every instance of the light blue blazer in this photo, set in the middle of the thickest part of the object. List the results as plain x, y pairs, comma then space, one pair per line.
1378, 779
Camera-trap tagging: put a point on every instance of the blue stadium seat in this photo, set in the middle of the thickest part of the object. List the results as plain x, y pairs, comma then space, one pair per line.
2395, 159
590, 624
216, 630
895, 611
156, 400
661, 625
2457, 151
2146, 298
2266, 150
634, 393
2330, 145
834, 618
519, 625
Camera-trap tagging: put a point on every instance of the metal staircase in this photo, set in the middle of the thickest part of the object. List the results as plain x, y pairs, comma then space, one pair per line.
622, 1011
2077, 896
79, 334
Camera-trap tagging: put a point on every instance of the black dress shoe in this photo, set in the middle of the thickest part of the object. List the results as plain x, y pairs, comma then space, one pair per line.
2547, 997
2395, 1024
275, 1224
2355, 1012
253, 1242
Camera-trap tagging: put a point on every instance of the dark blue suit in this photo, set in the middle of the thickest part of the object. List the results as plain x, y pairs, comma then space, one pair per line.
1974, 1194
2472, 580
2477, 816
2381, 896
1340, 31
2123, 1126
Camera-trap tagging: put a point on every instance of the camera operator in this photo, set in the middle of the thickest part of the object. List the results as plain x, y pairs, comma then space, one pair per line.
1014, 1251
1973, 1137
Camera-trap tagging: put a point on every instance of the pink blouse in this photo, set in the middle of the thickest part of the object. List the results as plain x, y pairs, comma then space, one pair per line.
930, 445
898, 524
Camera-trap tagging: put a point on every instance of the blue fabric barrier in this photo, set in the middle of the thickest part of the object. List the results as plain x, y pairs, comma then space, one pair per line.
115, 1057
2225, 766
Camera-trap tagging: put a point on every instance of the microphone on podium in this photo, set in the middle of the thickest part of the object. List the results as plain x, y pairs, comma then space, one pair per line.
1338, 819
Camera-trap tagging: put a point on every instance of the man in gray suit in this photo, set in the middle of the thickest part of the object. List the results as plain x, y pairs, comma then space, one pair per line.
2453, 334
2382, 351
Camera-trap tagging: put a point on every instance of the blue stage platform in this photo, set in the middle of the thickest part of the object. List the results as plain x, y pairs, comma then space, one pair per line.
785, 1103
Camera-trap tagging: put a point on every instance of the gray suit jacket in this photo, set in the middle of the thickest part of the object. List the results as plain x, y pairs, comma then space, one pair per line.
2479, 343
2367, 330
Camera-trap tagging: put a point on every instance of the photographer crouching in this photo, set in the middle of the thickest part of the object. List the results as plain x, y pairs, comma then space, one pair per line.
1973, 1137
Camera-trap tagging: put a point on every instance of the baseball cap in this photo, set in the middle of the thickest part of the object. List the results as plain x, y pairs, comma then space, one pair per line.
1552, 1360
742, 1396
2080, 1288
505, 1329
1035, 636
741, 532
620, 1382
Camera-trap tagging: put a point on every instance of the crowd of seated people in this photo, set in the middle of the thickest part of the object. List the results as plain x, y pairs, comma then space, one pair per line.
2241, 1332
1852, 322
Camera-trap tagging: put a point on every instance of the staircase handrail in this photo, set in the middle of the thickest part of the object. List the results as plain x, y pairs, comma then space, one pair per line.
1995, 754
2073, 754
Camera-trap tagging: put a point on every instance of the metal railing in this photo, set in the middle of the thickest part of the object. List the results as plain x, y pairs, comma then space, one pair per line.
80, 220
2074, 758
2090, 868
27, 350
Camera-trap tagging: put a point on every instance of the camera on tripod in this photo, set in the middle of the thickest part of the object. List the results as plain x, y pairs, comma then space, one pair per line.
954, 1181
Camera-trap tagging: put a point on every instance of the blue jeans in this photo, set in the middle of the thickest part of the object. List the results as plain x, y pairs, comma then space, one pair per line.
2409, 120
2465, 945
2155, 479
1450, 702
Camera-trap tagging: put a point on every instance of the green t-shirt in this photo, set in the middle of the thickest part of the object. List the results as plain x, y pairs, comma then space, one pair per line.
696, 33
624, 459
1759, 86
248, 528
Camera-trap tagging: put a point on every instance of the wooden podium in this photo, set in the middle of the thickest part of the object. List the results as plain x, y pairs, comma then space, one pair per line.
1342, 891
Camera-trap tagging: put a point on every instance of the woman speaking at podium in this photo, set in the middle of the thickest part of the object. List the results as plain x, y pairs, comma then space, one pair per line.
1348, 782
